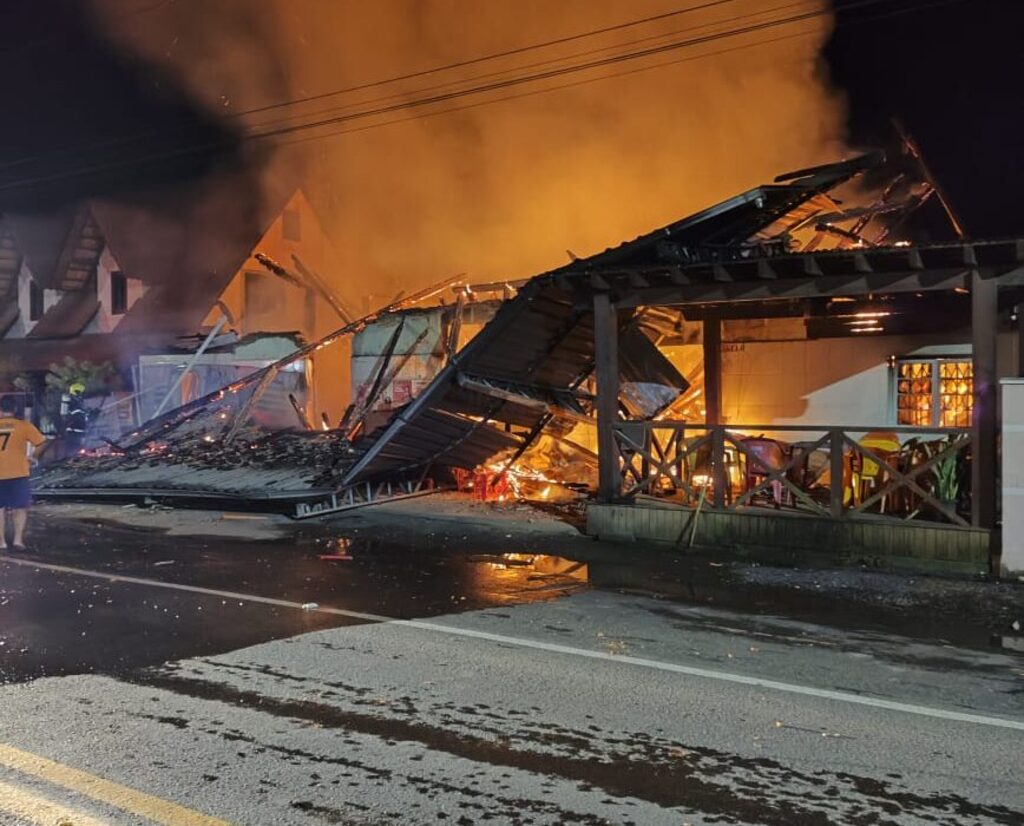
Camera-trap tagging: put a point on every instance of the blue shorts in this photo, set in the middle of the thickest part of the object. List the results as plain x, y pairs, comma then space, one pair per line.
15, 494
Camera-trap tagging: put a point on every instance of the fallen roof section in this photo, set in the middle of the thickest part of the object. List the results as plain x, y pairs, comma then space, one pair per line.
544, 337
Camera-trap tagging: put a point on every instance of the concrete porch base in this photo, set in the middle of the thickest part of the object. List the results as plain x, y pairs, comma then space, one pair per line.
790, 538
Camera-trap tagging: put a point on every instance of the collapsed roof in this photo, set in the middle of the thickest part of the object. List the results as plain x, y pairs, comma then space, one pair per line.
525, 372
539, 348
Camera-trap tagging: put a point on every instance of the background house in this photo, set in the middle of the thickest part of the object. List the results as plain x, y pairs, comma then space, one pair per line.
108, 282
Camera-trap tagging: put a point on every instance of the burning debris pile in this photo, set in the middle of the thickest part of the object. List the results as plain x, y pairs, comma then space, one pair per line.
212, 446
256, 465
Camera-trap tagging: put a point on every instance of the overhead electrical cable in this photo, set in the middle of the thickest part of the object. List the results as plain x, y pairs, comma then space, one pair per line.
408, 76
548, 89
440, 98
494, 56
548, 62
552, 73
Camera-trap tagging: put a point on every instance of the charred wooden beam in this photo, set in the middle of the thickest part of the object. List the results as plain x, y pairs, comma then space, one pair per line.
242, 416
451, 344
985, 414
606, 348
520, 397
321, 287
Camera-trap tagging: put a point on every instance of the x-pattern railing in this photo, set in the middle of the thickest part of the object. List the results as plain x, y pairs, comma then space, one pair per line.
664, 458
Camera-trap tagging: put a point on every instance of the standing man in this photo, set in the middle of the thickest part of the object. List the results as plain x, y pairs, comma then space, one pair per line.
76, 418
17, 438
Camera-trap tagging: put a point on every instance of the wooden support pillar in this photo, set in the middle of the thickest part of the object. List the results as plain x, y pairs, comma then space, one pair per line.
713, 406
713, 370
985, 420
606, 357
837, 467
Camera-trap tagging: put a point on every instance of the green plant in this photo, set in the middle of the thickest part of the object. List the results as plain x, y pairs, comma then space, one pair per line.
947, 485
94, 376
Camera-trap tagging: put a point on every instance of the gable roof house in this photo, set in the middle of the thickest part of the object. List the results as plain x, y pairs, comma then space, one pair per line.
106, 281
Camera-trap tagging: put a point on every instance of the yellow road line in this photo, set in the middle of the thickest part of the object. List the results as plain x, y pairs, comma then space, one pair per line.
34, 808
114, 794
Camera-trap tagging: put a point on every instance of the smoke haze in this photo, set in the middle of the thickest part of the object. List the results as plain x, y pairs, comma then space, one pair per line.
500, 190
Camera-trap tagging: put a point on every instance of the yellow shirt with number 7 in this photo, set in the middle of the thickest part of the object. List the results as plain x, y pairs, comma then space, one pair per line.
15, 437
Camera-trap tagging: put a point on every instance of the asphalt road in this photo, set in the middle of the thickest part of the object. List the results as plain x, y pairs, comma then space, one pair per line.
432, 687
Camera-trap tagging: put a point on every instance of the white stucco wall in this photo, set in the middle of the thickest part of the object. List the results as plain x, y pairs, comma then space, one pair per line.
840, 381
1012, 562
105, 321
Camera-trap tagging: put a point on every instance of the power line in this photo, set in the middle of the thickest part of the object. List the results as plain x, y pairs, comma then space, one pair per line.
550, 61
922, 5
416, 103
494, 56
386, 81
560, 87
183, 151
552, 73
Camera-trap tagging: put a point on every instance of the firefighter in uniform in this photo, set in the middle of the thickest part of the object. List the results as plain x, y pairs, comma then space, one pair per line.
76, 417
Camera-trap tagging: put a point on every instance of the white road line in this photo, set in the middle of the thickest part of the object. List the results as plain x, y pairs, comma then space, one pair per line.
555, 648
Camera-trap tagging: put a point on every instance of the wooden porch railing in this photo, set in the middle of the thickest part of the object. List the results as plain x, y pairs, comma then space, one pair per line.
835, 472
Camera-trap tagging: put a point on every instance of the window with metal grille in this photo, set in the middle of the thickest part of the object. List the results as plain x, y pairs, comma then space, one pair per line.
118, 293
934, 392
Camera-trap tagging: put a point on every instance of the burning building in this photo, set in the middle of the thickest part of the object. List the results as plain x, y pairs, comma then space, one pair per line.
150, 290
779, 354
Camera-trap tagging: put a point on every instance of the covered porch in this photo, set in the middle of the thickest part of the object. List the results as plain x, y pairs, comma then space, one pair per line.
903, 488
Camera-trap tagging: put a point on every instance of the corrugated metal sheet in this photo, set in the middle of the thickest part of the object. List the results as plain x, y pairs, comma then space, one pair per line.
259, 465
421, 335
544, 336
541, 341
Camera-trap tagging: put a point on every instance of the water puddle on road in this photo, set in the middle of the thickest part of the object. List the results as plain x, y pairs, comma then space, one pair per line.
474, 580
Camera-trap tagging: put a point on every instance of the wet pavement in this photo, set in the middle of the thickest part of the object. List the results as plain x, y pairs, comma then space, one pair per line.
468, 674
57, 623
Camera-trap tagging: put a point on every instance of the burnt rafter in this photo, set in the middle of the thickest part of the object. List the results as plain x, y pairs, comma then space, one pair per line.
562, 404
808, 275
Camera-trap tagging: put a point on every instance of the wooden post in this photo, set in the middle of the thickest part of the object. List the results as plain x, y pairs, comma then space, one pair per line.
985, 419
712, 370
719, 477
713, 406
836, 468
606, 357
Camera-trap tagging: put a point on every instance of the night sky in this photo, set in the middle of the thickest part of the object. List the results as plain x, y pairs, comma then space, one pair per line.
953, 73
954, 76
70, 100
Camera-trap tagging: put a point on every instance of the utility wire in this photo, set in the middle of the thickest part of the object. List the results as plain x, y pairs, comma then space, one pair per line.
921, 6
494, 56
548, 89
395, 79
114, 165
548, 62
552, 73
